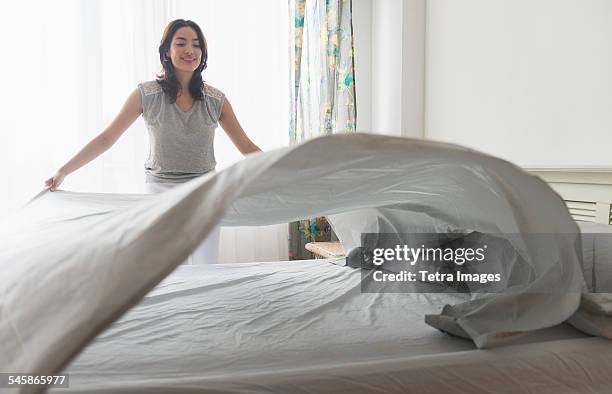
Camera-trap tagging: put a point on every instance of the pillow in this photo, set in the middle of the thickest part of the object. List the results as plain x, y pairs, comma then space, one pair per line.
413, 228
597, 256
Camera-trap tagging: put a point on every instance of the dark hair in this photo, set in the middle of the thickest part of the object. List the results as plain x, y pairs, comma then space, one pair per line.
167, 79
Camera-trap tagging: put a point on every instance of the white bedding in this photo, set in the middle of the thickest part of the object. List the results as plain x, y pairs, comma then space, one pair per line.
72, 263
305, 327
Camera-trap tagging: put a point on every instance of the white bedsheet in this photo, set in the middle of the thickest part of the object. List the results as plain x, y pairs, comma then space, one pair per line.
72, 263
305, 327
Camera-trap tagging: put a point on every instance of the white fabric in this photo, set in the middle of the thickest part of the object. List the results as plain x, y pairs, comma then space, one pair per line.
281, 327
208, 250
81, 260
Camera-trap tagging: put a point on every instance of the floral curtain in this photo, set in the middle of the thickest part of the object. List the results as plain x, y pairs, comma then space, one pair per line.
322, 88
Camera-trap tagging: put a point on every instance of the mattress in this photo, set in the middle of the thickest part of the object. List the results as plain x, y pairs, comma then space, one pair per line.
306, 327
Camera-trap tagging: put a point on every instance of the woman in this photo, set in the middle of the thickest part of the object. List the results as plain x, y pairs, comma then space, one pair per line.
181, 113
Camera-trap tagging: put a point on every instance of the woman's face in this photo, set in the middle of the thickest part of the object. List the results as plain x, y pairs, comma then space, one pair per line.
185, 51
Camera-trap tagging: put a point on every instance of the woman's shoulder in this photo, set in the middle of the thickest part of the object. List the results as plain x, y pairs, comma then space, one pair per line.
150, 87
212, 92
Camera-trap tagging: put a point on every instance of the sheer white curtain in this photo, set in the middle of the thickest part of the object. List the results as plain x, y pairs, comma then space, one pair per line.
69, 65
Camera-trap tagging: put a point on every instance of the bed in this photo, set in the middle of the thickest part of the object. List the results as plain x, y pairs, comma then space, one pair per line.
305, 327
291, 326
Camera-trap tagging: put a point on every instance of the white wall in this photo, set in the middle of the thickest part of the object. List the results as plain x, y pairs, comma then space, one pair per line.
362, 41
413, 68
389, 66
386, 66
527, 80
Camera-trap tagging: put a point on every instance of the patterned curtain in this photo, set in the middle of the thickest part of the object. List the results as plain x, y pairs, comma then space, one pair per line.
322, 89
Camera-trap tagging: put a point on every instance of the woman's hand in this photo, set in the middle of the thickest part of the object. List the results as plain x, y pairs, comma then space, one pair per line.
56, 180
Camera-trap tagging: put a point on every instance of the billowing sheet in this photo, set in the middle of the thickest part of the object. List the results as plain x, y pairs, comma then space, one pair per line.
72, 263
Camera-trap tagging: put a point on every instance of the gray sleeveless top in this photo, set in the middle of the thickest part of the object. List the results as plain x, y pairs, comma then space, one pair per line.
180, 143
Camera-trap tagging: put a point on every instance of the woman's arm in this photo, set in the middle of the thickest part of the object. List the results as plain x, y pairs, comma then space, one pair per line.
234, 131
130, 111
